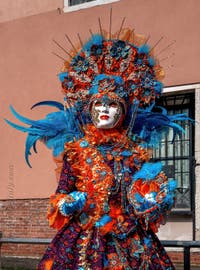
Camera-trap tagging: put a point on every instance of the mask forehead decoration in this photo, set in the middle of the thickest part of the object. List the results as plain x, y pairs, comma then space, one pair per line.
108, 87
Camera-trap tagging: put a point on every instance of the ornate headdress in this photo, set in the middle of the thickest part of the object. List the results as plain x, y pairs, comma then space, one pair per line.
122, 67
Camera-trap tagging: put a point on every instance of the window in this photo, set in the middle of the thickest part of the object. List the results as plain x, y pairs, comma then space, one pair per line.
72, 5
178, 158
77, 2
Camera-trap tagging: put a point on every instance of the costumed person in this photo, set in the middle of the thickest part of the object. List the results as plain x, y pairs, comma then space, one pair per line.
110, 198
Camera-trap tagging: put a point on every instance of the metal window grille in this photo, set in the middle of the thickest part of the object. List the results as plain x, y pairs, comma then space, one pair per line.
178, 157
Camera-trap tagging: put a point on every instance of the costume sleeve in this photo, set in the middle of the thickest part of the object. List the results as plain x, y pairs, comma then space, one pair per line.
65, 186
152, 194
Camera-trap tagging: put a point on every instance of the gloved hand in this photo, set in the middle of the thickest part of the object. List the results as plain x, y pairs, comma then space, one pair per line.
73, 202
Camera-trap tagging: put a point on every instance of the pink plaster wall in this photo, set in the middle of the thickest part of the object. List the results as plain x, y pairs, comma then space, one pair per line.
28, 72
14, 9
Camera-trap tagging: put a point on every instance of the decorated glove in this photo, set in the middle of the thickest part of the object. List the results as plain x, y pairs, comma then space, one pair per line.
73, 202
150, 191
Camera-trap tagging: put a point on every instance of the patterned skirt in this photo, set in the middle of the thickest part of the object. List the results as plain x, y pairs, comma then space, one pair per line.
76, 249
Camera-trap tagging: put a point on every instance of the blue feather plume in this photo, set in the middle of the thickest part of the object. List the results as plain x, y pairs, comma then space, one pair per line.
62, 76
95, 40
151, 126
144, 49
49, 103
148, 171
56, 129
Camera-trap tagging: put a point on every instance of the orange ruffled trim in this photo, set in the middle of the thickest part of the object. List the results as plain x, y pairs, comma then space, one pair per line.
56, 219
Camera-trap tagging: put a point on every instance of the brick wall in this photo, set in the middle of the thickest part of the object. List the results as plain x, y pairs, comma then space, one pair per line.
177, 256
24, 218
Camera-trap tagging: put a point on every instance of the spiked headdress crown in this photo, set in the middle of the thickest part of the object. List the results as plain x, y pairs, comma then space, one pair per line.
122, 66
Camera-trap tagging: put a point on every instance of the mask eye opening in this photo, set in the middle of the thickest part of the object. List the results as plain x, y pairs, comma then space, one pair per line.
97, 103
113, 104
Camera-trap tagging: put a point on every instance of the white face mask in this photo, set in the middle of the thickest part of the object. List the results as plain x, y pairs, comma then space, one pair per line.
106, 114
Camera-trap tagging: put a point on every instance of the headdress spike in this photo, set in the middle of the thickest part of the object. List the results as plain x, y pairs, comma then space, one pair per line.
65, 60
131, 32
100, 26
110, 23
156, 43
167, 47
90, 30
71, 43
80, 40
167, 57
62, 48
147, 39
122, 23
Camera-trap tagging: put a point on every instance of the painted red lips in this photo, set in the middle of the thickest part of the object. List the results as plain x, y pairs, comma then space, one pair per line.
104, 117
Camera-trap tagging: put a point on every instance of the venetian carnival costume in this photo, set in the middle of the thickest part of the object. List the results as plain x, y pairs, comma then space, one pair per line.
110, 198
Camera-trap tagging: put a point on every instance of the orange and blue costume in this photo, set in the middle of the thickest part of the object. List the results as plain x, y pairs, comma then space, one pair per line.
110, 198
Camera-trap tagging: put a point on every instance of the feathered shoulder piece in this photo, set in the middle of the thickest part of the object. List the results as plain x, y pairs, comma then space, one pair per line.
151, 126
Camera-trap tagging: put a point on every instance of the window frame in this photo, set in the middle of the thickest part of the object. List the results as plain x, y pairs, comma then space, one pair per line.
181, 89
173, 154
68, 8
